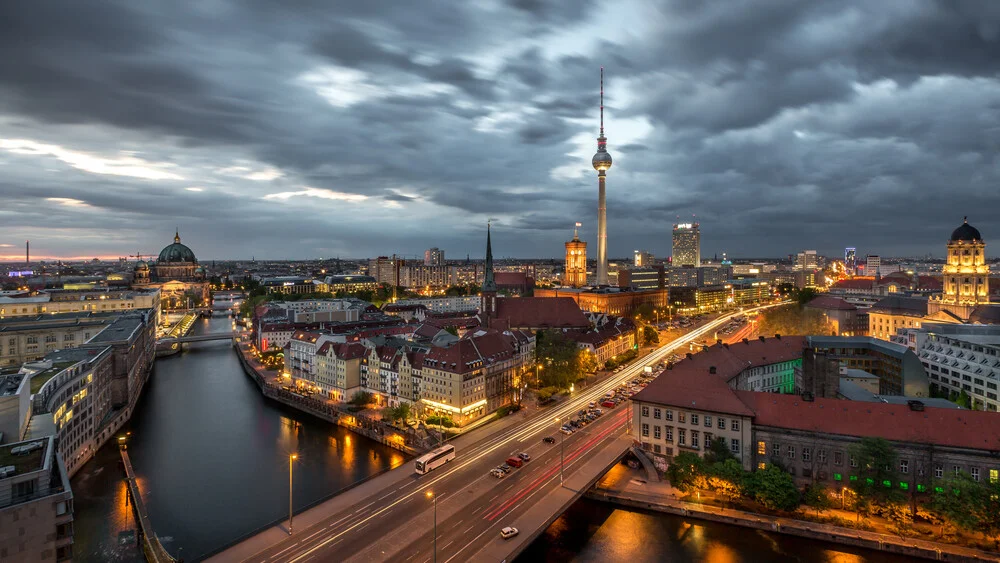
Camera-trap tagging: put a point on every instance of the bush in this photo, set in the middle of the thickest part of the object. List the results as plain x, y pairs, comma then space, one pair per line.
502, 412
445, 421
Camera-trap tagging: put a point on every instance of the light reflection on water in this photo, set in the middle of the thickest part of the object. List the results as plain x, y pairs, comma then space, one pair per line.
212, 459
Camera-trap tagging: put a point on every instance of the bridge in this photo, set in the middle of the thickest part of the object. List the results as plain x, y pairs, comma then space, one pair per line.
151, 546
455, 512
197, 338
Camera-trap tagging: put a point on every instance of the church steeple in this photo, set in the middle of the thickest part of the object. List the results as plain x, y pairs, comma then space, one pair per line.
488, 294
177, 236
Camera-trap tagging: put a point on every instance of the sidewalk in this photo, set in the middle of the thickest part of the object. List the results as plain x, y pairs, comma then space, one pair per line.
629, 488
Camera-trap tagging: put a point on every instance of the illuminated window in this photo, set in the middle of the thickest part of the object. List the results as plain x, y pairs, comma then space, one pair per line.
761, 448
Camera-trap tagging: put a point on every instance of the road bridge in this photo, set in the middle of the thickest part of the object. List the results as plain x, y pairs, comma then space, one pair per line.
391, 517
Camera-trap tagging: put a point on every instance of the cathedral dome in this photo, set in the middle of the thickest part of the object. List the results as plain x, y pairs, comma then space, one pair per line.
967, 233
141, 266
176, 252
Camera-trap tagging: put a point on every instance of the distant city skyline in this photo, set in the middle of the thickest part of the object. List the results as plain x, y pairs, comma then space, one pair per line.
780, 125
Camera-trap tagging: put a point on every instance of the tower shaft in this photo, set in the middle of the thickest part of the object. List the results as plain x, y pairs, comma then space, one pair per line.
602, 232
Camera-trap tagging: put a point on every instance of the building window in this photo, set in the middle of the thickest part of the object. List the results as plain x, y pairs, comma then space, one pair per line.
806, 454
957, 469
761, 448
681, 416
762, 466
734, 425
791, 452
821, 456
994, 475
694, 420
938, 471
854, 461
708, 421
694, 439
657, 414
670, 415
904, 466
734, 446
721, 423
645, 429
645, 411
656, 432
776, 450
669, 433
974, 471
681, 437
708, 439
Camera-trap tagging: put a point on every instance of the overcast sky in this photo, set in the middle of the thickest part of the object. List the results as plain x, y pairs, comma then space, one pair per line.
302, 129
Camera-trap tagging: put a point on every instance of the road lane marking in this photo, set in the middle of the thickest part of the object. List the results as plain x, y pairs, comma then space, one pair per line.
537, 426
469, 530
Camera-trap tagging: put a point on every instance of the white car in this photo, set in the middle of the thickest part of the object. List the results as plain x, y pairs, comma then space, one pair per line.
508, 532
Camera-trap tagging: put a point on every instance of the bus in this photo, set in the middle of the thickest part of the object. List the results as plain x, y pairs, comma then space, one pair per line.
434, 459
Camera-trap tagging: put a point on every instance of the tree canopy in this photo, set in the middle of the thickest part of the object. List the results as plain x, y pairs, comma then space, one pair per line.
559, 357
793, 320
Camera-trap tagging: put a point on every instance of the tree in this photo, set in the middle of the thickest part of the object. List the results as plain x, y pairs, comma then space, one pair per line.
727, 477
644, 312
805, 295
877, 461
718, 451
560, 358
817, 496
649, 336
684, 470
588, 361
964, 502
964, 400
773, 488
451, 329
362, 398
793, 320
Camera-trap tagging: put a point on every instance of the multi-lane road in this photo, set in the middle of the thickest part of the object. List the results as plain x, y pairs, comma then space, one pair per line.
398, 522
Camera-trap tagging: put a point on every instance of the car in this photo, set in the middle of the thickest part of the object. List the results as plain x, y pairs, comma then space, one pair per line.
608, 405
524, 456
566, 431
505, 468
515, 461
549, 440
496, 472
581, 413
592, 404
508, 532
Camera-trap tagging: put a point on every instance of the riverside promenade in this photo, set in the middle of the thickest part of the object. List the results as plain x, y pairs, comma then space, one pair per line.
630, 488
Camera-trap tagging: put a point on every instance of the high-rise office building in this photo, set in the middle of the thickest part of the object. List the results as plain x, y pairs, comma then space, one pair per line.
686, 245
434, 257
643, 259
806, 260
872, 265
576, 261
851, 260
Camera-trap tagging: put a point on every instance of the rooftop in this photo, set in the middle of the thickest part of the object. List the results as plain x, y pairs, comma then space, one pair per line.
9, 383
40, 379
122, 329
829, 302
909, 306
34, 460
942, 427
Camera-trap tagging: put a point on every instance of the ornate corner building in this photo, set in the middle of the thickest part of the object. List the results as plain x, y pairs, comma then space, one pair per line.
966, 275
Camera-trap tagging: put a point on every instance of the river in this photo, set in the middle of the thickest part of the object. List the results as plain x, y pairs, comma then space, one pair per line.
211, 455
212, 458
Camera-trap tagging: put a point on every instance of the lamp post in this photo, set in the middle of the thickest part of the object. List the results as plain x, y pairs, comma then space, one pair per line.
291, 458
538, 367
843, 494
431, 496
562, 452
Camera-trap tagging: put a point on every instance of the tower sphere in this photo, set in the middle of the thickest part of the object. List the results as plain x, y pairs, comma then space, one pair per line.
601, 161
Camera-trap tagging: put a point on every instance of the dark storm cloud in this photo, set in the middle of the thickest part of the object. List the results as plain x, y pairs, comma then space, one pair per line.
779, 124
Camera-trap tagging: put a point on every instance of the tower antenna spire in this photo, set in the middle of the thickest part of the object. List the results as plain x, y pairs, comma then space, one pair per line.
602, 101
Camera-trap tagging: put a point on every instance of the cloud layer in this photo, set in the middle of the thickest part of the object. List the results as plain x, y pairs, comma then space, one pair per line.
319, 129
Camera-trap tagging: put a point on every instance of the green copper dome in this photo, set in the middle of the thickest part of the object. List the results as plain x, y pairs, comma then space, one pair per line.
176, 252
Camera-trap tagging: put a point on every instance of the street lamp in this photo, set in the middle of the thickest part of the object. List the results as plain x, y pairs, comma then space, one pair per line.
562, 452
538, 367
291, 458
431, 496
843, 494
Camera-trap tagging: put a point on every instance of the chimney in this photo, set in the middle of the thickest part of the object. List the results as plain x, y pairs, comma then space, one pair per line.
762, 338
915, 405
711, 369
777, 336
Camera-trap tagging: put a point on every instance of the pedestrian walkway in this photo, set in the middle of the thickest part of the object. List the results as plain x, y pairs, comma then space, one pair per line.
627, 487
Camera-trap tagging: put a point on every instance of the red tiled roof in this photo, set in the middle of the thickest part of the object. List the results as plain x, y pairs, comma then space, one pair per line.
730, 361
929, 282
856, 283
942, 427
541, 312
831, 303
693, 390
350, 350
466, 354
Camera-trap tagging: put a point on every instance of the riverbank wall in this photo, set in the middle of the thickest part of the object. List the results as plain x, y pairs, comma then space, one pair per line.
910, 547
391, 436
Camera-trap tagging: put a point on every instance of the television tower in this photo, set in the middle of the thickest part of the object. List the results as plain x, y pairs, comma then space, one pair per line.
601, 162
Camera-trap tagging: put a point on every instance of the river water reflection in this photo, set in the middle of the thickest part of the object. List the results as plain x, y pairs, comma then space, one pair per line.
212, 457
